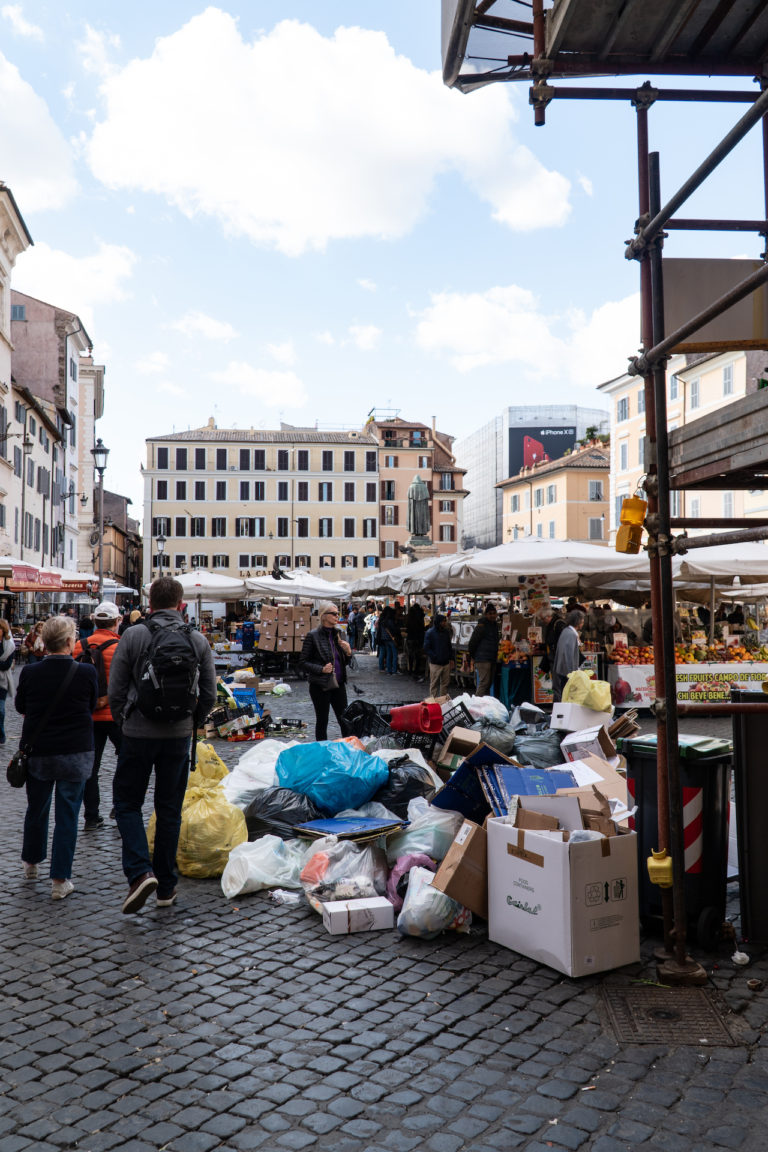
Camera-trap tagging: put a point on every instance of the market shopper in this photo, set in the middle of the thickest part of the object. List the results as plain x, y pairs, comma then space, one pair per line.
567, 654
552, 624
99, 649
414, 636
7, 657
56, 697
483, 649
324, 658
34, 644
161, 744
438, 648
389, 634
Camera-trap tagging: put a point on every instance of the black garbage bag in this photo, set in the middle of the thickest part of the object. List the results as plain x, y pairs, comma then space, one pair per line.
502, 737
276, 811
541, 750
406, 781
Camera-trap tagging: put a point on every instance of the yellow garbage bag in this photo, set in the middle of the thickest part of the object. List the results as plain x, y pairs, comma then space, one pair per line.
209, 767
210, 829
581, 689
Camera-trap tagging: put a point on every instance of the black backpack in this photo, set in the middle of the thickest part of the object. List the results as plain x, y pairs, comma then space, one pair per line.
94, 654
169, 673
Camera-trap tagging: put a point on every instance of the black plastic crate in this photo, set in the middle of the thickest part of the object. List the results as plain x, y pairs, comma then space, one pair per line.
424, 741
457, 716
360, 718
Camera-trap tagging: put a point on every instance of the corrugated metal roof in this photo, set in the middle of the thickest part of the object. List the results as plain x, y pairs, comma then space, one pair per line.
261, 436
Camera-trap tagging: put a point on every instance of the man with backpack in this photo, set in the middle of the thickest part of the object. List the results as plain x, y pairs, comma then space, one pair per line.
99, 649
163, 681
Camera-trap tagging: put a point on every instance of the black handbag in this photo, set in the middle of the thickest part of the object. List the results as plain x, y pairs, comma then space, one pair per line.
18, 767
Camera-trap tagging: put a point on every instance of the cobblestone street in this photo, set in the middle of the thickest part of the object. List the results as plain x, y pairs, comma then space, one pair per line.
238, 1025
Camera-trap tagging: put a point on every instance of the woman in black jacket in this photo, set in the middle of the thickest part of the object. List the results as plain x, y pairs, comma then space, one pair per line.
324, 658
61, 759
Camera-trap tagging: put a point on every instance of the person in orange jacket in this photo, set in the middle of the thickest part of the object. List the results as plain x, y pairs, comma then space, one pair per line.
99, 648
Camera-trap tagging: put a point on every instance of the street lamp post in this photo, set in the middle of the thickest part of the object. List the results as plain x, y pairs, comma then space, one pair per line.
100, 454
160, 541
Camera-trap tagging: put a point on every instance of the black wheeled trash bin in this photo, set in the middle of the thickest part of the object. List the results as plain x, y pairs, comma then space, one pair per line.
705, 766
750, 772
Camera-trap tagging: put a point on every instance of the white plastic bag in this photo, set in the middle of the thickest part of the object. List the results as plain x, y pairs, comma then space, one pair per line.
431, 831
266, 863
484, 708
342, 870
426, 912
254, 771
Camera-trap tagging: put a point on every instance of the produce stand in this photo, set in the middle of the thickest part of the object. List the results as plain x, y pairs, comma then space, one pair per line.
704, 675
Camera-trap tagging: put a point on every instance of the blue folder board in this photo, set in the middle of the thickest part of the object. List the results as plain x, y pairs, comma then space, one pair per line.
487, 780
348, 828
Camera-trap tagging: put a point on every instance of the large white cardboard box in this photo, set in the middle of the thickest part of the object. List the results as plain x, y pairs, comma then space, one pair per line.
573, 907
575, 717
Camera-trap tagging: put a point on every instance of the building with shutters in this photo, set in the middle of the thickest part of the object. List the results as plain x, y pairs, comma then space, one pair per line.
565, 499
408, 449
238, 501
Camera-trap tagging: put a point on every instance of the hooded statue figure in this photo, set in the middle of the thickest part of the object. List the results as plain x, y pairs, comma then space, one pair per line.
418, 522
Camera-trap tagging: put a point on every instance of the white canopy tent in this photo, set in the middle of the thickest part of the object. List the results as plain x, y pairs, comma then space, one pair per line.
203, 585
403, 579
297, 583
748, 561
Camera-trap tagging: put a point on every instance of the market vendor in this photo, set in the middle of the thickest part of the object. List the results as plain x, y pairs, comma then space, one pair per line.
567, 654
483, 649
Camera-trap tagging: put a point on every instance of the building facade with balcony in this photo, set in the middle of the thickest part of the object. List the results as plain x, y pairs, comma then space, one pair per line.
239, 501
566, 499
14, 240
407, 450
697, 385
523, 435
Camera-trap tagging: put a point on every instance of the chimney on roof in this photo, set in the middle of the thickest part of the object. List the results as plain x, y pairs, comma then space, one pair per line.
434, 425
211, 422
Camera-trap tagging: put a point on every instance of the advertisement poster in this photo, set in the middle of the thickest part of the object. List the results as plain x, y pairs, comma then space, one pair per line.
634, 685
534, 445
542, 683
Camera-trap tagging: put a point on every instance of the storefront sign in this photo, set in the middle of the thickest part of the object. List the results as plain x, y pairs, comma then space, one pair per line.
634, 685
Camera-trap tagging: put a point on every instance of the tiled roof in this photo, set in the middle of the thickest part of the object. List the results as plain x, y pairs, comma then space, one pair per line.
591, 457
262, 436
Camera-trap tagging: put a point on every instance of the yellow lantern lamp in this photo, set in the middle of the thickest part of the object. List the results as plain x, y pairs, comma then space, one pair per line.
630, 532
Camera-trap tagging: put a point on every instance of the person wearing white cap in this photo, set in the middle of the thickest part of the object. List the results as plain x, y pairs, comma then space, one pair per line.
98, 649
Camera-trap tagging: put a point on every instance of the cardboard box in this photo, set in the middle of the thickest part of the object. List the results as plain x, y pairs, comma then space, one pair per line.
340, 917
576, 718
591, 771
267, 641
284, 615
573, 907
268, 613
461, 742
588, 742
463, 874
285, 643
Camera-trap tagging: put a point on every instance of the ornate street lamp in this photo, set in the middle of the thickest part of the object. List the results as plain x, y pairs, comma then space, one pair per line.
100, 454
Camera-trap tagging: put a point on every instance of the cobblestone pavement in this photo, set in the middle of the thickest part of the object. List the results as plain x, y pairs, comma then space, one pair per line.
238, 1025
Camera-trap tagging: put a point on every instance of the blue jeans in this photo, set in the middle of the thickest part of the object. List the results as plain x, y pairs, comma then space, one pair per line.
3, 694
69, 795
103, 730
135, 761
390, 655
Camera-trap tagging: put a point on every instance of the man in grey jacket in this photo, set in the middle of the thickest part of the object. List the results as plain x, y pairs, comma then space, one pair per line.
148, 744
567, 654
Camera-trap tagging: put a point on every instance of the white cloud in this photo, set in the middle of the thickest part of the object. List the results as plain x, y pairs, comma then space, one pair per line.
95, 51
171, 389
325, 337
154, 363
37, 161
76, 283
199, 324
367, 285
586, 185
365, 336
259, 136
14, 15
270, 386
506, 325
284, 353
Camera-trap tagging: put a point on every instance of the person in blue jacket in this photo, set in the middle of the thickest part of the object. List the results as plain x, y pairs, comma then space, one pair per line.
438, 648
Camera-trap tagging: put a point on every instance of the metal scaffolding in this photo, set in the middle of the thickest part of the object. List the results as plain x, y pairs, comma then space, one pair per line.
658, 37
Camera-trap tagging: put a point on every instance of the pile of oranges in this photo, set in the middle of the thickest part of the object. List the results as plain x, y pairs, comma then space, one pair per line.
509, 653
633, 655
693, 654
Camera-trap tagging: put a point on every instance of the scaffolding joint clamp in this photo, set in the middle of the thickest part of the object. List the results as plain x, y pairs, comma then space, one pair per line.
540, 94
659, 708
665, 544
651, 483
651, 524
645, 96
638, 366
680, 544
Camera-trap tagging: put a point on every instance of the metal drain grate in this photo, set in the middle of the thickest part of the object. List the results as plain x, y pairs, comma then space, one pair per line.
645, 1015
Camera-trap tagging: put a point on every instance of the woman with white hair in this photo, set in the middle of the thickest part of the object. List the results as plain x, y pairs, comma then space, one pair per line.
56, 698
324, 658
7, 656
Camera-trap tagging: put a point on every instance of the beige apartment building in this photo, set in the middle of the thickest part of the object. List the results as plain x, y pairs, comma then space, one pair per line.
697, 385
406, 450
238, 501
565, 499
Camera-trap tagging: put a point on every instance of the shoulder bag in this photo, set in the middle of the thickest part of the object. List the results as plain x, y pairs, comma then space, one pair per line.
17, 770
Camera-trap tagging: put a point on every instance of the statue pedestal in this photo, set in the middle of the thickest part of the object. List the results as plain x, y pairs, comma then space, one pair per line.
423, 548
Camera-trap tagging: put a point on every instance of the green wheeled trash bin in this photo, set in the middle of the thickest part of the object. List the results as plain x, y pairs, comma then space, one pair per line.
750, 742
705, 770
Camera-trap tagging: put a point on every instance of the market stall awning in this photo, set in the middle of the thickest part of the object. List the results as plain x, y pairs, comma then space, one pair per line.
203, 585
748, 561
298, 583
407, 578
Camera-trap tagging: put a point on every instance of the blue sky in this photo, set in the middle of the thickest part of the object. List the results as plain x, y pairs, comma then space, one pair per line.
268, 211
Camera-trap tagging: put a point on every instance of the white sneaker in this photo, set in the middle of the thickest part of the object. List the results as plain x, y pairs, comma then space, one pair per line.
30, 871
61, 888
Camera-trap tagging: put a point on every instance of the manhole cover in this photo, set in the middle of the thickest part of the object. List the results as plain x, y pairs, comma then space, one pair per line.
644, 1015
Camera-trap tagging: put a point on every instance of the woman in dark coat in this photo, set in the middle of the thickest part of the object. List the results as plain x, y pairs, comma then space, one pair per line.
61, 759
324, 658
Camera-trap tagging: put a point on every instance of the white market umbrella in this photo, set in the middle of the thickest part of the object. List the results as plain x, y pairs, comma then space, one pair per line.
748, 561
204, 585
568, 565
298, 583
406, 578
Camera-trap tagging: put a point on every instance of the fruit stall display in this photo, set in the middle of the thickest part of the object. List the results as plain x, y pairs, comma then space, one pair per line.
705, 672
